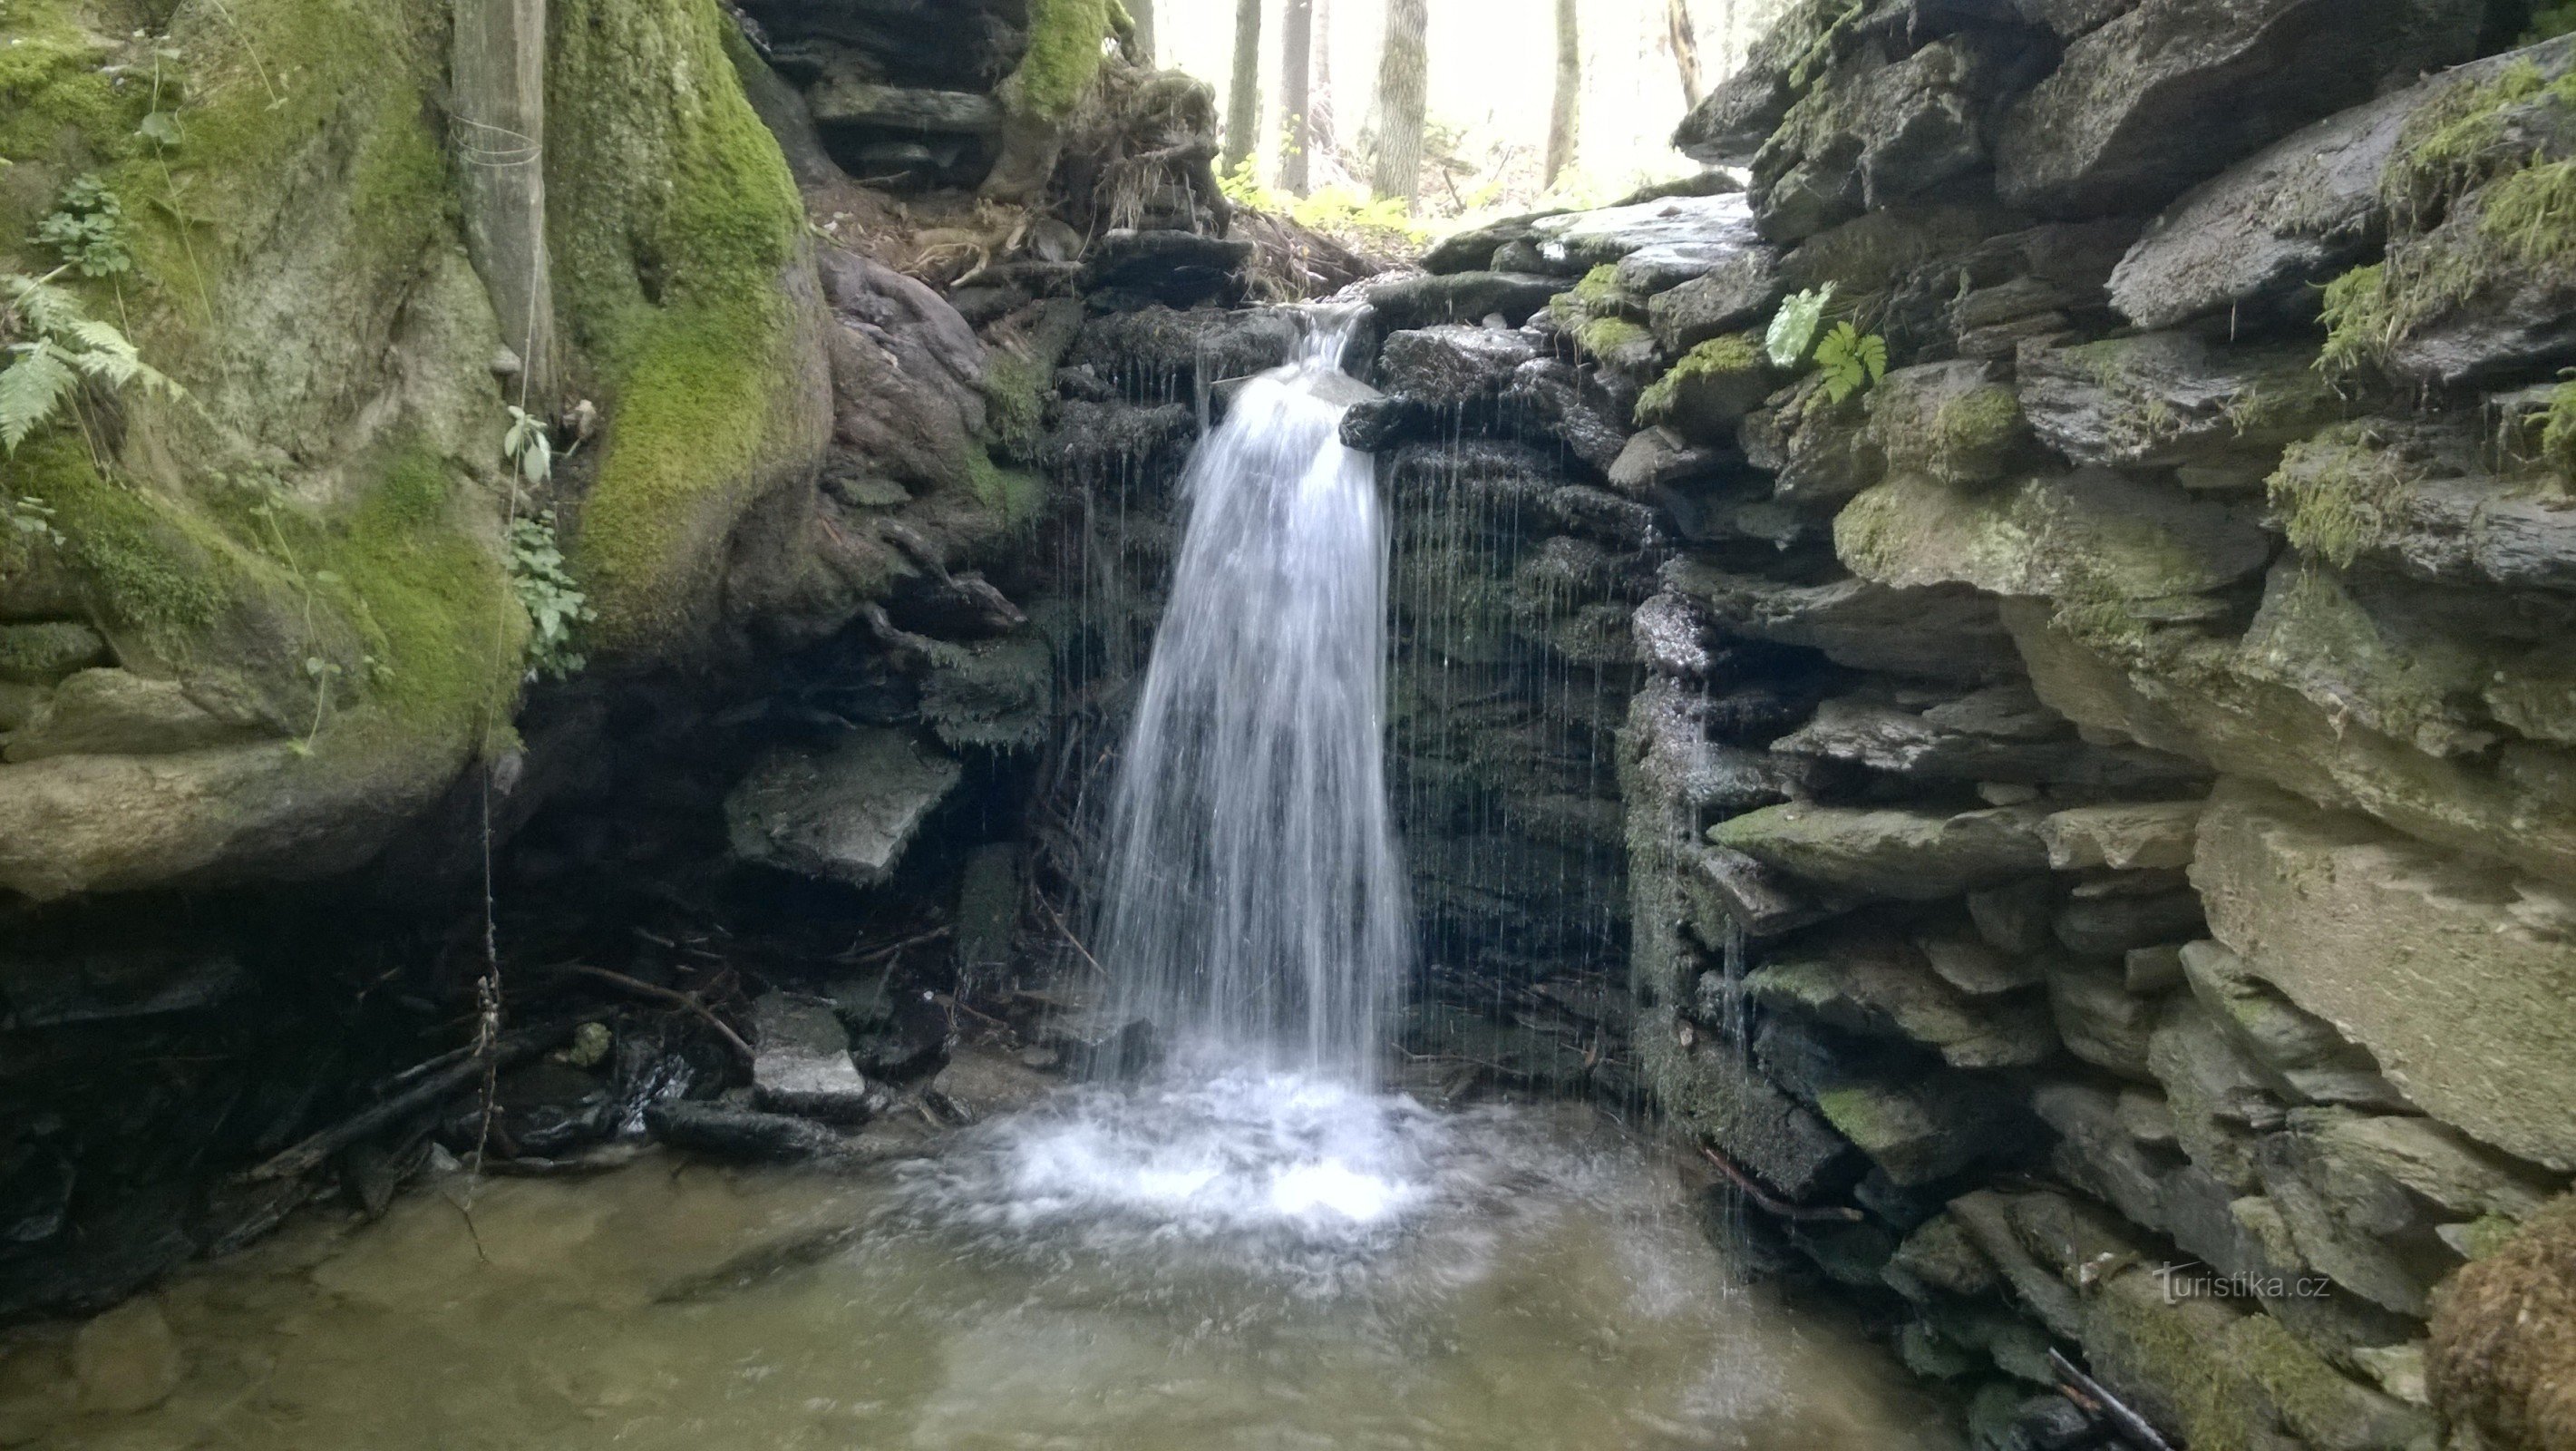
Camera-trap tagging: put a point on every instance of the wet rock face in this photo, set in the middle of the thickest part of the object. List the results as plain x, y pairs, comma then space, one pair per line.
2229, 874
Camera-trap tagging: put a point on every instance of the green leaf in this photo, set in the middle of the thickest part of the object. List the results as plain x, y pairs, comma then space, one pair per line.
160, 128
1793, 330
30, 390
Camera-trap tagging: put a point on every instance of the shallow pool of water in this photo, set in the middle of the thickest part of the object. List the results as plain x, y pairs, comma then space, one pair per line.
1255, 1264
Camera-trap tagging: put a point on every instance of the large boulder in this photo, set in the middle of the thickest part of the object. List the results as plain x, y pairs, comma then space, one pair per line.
1902, 855
2452, 973
2095, 533
2175, 90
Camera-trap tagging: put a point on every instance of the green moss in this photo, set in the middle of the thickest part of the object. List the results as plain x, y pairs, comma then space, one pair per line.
2338, 494
55, 105
1607, 338
1973, 432
1063, 57
674, 219
1015, 402
1013, 494
1737, 355
147, 564
432, 602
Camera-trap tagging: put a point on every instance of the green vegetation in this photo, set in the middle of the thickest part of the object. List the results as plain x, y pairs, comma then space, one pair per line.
1062, 59
547, 592
54, 350
1793, 328
1974, 433
1013, 494
147, 566
1348, 215
1737, 356
2548, 22
87, 229
1851, 362
2338, 494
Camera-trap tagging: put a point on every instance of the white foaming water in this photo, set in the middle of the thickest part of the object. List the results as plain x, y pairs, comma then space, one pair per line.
1254, 904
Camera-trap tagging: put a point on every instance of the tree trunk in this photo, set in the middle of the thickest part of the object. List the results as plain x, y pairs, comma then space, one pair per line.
1566, 110
1243, 98
1142, 11
1685, 43
499, 64
1322, 137
1296, 92
1403, 83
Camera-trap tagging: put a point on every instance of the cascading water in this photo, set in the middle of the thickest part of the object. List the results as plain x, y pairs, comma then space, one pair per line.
1255, 907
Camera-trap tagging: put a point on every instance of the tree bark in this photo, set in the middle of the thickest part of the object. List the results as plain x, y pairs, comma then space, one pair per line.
1142, 11
1296, 93
1565, 112
498, 61
1685, 43
1319, 118
1243, 97
1403, 83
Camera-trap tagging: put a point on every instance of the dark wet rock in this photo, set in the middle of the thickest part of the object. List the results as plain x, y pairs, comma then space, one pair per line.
2071, 18
1093, 442
2000, 734
1713, 1090
1917, 1127
1473, 249
801, 1063
747, 1135
1170, 269
1671, 233
2176, 90
845, 100
111, 984
1669, 726
1598, 514
907, 373
1452, 365
2166, 399
1901, 855
1745, 893
540, 1110
1559, 401
1818, 451
979, 1085
2033, 283
1157, 354
1868, 981
1947, 633
1656, 460
845, 814
2283, 221
1403, 303
1732, 292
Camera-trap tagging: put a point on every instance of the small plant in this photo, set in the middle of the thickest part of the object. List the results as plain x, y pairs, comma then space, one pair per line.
529, 446
2548, 22
1793, 330
1851, 361
53, 348
87, 229
555, 604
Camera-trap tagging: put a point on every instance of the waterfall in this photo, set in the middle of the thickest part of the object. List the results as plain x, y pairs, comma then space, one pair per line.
1255, 907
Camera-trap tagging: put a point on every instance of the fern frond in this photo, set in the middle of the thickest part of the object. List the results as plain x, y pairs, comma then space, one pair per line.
30, 390
45, 307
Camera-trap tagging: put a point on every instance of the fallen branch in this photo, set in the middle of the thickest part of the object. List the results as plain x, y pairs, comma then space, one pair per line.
663, 994
880, 954
1778, 1208
304, 1157
1058, 918
2087, 1393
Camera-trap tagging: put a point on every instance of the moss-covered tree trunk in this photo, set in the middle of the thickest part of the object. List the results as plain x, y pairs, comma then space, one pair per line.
1062, 61
1296, 95
1403, 85
1243, 91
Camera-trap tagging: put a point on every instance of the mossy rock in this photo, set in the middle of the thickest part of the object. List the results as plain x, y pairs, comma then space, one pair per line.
2503, 1357
1710, 390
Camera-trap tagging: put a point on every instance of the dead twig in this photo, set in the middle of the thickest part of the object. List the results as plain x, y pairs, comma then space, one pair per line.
1778, 1208
2088, 1394
663, 994
507, 1050
880, 954
1058, 918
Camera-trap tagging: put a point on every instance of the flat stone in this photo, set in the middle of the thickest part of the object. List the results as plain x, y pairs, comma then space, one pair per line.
1462, 297
2454, 975
801, 1062
126, 1360
2169, 399
2307, 1059
744, 1134
111, 712
1657, 459
2175, 90
2110, 926
1913, 856
845, 814
846, 100
1945, 633
1974, 967
1451, 365
2440, 513
2101, 531
1735, 290
2099, 1019
2001, 735
2126, 837
1877, 984
2013, 919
